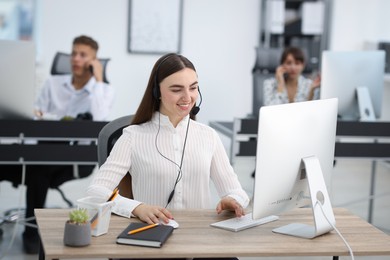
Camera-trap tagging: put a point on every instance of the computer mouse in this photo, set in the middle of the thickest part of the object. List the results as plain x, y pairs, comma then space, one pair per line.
171, 222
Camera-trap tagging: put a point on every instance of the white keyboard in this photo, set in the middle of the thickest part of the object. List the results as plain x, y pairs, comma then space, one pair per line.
237, 224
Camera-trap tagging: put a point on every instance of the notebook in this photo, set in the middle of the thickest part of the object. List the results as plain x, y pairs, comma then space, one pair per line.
246, 221
153, 237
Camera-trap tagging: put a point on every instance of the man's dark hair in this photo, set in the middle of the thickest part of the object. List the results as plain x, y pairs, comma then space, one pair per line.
86, 41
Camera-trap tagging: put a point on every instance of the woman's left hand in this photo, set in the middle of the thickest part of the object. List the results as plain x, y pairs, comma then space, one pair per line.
316, 82
228, 203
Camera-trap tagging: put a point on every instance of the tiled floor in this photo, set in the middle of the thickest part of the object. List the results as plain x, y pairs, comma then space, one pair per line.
349, 189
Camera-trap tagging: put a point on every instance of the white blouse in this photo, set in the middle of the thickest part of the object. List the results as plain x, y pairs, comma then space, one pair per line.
273, 97
152, 152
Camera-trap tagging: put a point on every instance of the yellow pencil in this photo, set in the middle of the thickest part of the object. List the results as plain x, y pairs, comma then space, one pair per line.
94, 220
113, 194
142, 229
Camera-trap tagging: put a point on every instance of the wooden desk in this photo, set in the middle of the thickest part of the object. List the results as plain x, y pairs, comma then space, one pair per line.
195, 238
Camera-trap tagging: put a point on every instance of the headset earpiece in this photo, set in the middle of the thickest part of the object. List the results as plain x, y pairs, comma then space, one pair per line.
156, 90
156, 86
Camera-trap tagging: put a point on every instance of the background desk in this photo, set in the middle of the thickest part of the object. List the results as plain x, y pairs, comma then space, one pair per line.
195, 238
30, 142
18, 142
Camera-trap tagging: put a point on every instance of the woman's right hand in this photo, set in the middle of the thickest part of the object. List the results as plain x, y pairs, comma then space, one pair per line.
279, 74
152, 214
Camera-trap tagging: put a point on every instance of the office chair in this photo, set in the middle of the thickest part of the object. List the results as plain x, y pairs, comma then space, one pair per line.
106, 140
267, 60
386, 47
61, 65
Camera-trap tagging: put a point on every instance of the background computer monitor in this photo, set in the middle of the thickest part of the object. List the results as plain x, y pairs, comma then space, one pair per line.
287, 134
17, 79
342, 72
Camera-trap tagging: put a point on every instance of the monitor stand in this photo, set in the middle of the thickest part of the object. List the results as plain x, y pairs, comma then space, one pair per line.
318, 194
366, 110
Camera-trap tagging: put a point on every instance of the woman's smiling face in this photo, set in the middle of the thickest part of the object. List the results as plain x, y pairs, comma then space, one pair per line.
179, 93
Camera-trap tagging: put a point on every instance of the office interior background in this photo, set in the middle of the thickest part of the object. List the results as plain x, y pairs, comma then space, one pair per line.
219, 36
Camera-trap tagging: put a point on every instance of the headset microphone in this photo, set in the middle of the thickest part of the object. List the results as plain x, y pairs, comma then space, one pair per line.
195, 110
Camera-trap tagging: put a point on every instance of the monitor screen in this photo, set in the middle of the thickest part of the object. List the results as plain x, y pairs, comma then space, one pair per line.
343, 72
287, 134
17, 79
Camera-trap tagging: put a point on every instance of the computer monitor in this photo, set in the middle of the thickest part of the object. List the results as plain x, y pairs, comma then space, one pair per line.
356, 78
294, 161
17, 79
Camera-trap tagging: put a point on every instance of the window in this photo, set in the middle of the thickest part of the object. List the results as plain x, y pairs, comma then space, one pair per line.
17, 19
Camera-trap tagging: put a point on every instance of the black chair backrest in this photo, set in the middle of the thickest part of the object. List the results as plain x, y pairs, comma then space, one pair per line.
109, 135
106, 140
61, 65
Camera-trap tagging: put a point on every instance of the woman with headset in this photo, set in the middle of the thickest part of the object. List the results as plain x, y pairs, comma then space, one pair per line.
170, 156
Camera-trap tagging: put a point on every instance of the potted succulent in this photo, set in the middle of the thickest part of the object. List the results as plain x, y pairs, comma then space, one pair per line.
78, 228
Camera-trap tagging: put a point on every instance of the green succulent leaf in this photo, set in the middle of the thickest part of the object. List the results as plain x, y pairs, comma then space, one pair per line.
78, 216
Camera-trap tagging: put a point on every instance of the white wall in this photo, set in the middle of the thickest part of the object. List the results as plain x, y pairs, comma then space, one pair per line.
357, 22
219, 37
359, 25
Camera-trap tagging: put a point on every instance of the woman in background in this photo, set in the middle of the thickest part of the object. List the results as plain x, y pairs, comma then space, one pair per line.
289, 85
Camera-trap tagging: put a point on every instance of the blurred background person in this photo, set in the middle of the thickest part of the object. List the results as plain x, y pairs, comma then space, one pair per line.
289, 85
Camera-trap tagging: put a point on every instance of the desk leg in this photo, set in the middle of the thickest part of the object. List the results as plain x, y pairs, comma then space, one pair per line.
372, 191
336, 257
41, 255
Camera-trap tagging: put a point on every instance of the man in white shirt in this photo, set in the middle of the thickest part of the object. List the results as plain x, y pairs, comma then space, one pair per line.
80, 95
82, 92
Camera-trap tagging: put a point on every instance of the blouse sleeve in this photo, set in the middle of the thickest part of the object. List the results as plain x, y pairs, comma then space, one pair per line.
112, 172
271, 95
223, 175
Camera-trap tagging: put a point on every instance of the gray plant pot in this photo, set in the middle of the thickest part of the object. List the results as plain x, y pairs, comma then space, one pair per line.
77, 235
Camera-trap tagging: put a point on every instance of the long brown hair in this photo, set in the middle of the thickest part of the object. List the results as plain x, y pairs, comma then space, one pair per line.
164, 67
